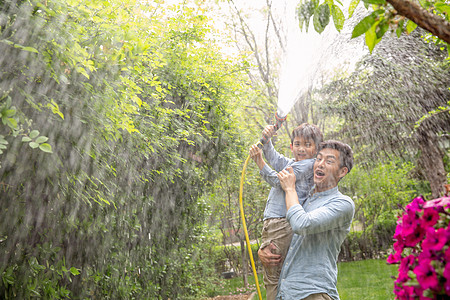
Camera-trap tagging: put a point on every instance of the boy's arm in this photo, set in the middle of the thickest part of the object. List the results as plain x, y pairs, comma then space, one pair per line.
266, 172
256, 155
275, 159
302, 171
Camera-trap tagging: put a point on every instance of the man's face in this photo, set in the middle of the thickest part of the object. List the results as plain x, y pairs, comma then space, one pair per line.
327, 170
303, 148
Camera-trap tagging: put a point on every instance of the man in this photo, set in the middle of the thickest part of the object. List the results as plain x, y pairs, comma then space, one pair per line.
320, 225
277, 233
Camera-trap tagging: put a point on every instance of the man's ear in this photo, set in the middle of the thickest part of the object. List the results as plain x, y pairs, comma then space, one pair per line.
342, 172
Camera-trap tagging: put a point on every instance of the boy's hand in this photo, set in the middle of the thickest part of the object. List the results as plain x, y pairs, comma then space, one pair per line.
269, 131
256, 155
287, 179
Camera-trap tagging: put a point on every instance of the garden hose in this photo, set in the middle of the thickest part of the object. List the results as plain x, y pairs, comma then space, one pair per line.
241, 206
278, 123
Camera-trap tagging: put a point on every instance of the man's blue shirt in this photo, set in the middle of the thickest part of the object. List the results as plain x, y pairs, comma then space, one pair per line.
276, 204
320, 226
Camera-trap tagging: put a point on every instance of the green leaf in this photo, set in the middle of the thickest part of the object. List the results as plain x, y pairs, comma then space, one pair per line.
34, 134
377, 2
338, 17
2, 146
399, 29
30, 49
410, 26
74, 271
364, 25
45, 147
305, 12
321, 17
26, 139
7, 42
11, 122
41, 139
9, 113
371, 37
382, 28
33, 145
442, 7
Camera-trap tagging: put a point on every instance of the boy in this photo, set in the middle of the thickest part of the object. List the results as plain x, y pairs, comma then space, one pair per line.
277, 233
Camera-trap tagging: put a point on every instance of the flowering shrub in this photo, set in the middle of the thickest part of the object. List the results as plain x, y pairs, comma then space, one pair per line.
421, 248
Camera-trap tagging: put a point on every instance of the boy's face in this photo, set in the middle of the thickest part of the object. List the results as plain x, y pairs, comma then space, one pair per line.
303, 148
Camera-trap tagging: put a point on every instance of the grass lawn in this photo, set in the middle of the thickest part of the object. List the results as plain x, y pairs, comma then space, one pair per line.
358, 280
366, 280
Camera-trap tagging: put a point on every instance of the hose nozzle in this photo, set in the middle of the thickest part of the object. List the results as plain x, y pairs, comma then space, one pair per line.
278, 123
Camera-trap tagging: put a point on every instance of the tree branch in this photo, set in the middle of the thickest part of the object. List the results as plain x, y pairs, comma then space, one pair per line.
428, 21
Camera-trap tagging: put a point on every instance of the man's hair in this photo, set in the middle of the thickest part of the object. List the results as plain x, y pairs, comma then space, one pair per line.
308, 132
345, 152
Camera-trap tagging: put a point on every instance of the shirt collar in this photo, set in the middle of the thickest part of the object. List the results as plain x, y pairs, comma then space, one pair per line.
322, 194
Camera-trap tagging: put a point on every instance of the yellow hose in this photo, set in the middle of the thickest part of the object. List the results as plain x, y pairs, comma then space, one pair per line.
241, 206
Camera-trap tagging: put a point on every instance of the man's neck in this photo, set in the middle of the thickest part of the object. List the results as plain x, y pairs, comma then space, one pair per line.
323, 189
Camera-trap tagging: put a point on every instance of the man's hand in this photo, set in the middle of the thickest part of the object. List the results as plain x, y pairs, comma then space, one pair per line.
267, 258
256, 155
287, 179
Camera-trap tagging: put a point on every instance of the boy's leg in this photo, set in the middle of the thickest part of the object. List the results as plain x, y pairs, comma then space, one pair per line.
279, 233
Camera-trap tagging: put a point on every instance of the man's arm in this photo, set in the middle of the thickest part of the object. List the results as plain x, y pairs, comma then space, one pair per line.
336, 213
287, 180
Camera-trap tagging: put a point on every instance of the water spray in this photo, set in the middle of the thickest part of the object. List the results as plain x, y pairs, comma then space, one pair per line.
279, 120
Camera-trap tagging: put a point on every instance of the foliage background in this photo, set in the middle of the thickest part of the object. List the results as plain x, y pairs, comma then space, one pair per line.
124, 129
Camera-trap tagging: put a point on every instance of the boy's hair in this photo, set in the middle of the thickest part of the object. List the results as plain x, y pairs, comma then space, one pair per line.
308, 132
345, 152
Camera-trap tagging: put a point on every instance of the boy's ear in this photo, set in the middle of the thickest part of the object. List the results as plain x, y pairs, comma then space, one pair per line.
292, 148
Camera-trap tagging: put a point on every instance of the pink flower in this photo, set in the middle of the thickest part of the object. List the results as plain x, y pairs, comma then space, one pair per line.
430, 217
447, 254
446, 273
416, 204
404, 292
426, 276
428, 254
414, 238
410, 222
406, 264
394, 258
424, 229
399, 245
435, 239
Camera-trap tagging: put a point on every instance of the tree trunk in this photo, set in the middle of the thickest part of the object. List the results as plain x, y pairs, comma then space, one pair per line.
244, 263
424, 19
431, 163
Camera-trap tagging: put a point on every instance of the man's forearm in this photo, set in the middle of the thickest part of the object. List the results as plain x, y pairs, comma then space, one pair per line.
291, 198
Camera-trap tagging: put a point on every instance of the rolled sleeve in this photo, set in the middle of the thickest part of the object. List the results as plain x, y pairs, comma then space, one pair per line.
334, 214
